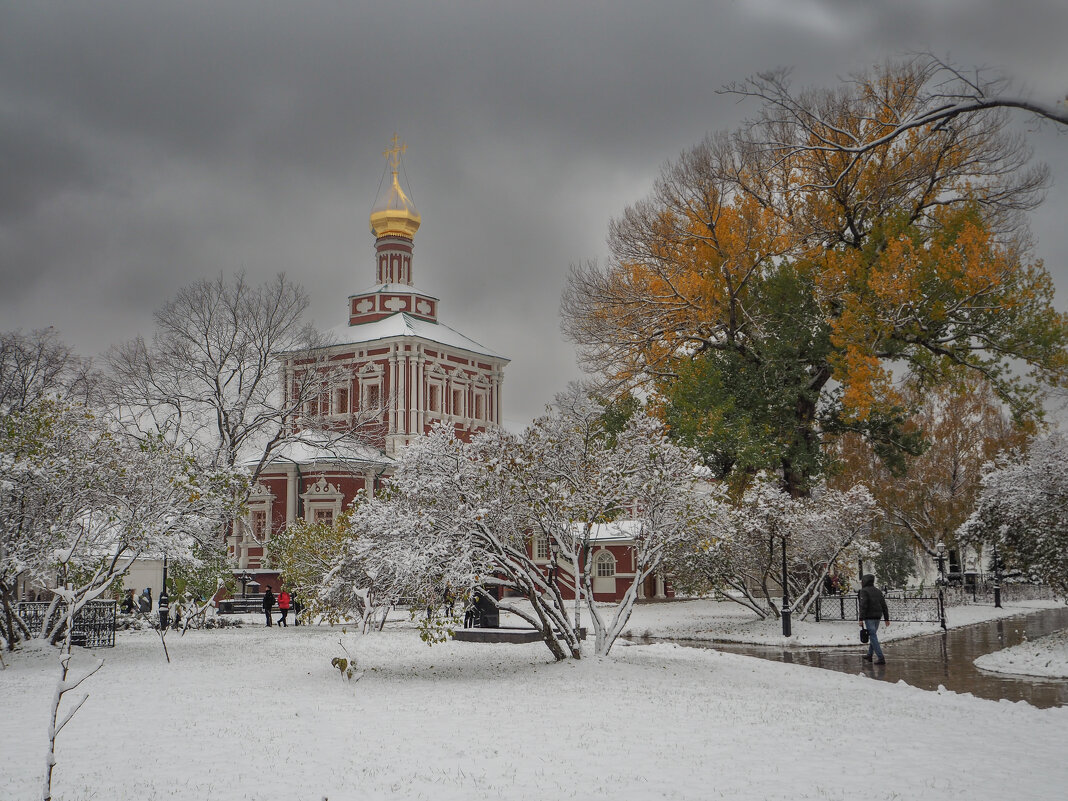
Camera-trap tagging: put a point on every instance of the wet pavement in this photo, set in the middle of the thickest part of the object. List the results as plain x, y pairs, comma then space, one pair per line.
936, 659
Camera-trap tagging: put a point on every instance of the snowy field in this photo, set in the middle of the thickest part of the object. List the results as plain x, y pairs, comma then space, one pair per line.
256, 713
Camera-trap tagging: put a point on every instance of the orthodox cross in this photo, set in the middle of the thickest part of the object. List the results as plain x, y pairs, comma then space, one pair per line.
394, 152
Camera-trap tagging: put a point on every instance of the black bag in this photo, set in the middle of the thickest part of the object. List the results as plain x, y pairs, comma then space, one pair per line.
863, 634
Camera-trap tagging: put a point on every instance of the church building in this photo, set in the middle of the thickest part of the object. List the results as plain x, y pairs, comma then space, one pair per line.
394, 371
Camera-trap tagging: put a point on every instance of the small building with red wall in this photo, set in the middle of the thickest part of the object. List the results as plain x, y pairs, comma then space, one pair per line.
611, 557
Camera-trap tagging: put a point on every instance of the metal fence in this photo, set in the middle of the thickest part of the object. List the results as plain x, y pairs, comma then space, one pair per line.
982, 592
909, 609
94, 623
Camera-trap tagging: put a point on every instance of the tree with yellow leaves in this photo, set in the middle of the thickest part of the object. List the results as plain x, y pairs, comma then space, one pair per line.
771, 292
966, 429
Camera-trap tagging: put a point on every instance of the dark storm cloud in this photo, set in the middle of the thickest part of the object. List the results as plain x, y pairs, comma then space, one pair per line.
144, 145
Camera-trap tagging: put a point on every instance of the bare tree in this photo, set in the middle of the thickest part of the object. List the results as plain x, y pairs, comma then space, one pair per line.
38, 365
943, 99
233, 372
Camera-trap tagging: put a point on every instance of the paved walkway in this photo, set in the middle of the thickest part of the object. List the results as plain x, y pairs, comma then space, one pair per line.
939, 659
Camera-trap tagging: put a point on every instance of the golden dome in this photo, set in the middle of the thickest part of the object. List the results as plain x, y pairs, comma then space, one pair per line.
394, 214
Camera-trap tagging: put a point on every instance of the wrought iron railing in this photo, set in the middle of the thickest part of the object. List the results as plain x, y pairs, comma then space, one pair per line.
909, 609
94, 623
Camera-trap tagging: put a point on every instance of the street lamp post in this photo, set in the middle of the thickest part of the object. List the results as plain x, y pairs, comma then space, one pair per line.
785, 594
940, 550
997, 578
164, 599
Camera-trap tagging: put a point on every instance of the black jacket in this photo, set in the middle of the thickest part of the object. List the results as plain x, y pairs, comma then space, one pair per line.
871, 601
268, 601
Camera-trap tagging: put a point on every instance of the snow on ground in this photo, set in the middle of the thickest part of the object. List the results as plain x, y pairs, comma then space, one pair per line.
257, 713
1046, 657
726, 621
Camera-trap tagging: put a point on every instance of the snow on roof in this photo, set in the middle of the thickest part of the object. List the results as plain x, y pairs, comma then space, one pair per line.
316, 447
618, 531
392, 289
403, 325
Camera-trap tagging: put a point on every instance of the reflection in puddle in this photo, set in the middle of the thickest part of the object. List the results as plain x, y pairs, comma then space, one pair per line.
936, 659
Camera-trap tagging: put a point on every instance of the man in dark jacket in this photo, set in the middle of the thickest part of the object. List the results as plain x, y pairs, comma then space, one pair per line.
872, 607
268, 604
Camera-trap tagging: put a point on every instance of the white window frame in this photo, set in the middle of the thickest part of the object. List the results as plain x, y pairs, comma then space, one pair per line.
319, 496
372, 377
481, 396
260, 499
337, 408
602, 559
436, 379
457, 390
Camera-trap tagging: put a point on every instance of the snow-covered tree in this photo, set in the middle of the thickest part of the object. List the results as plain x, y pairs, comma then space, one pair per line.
577, 476
81, 501
1023, 509
461, 515
303, 553
743, 551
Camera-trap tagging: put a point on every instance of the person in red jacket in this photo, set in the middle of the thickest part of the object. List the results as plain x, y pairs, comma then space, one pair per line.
283, 606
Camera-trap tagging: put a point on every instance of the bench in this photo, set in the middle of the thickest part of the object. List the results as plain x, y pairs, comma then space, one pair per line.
241, 606
514, 634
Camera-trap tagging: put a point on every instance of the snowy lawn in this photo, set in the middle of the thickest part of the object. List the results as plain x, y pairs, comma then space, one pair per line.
258, 713
1046, 657
724, 621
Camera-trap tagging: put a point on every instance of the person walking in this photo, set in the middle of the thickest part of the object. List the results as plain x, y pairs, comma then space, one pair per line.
283, 606
298, 607
872, 608
268, 604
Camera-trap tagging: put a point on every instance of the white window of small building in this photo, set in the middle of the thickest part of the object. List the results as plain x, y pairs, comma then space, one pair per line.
324, 517
605, 565
458, 402
541, 547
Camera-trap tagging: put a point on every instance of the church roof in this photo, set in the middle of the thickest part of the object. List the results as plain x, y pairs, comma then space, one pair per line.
318, 447
389, 289
404, 325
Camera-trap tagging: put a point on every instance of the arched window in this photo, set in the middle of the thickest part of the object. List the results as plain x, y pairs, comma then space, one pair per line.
605, 565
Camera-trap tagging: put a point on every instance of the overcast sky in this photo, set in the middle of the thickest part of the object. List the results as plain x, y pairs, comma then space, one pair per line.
146, 145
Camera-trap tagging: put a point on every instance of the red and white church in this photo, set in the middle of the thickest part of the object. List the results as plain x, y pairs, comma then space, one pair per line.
402, 371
